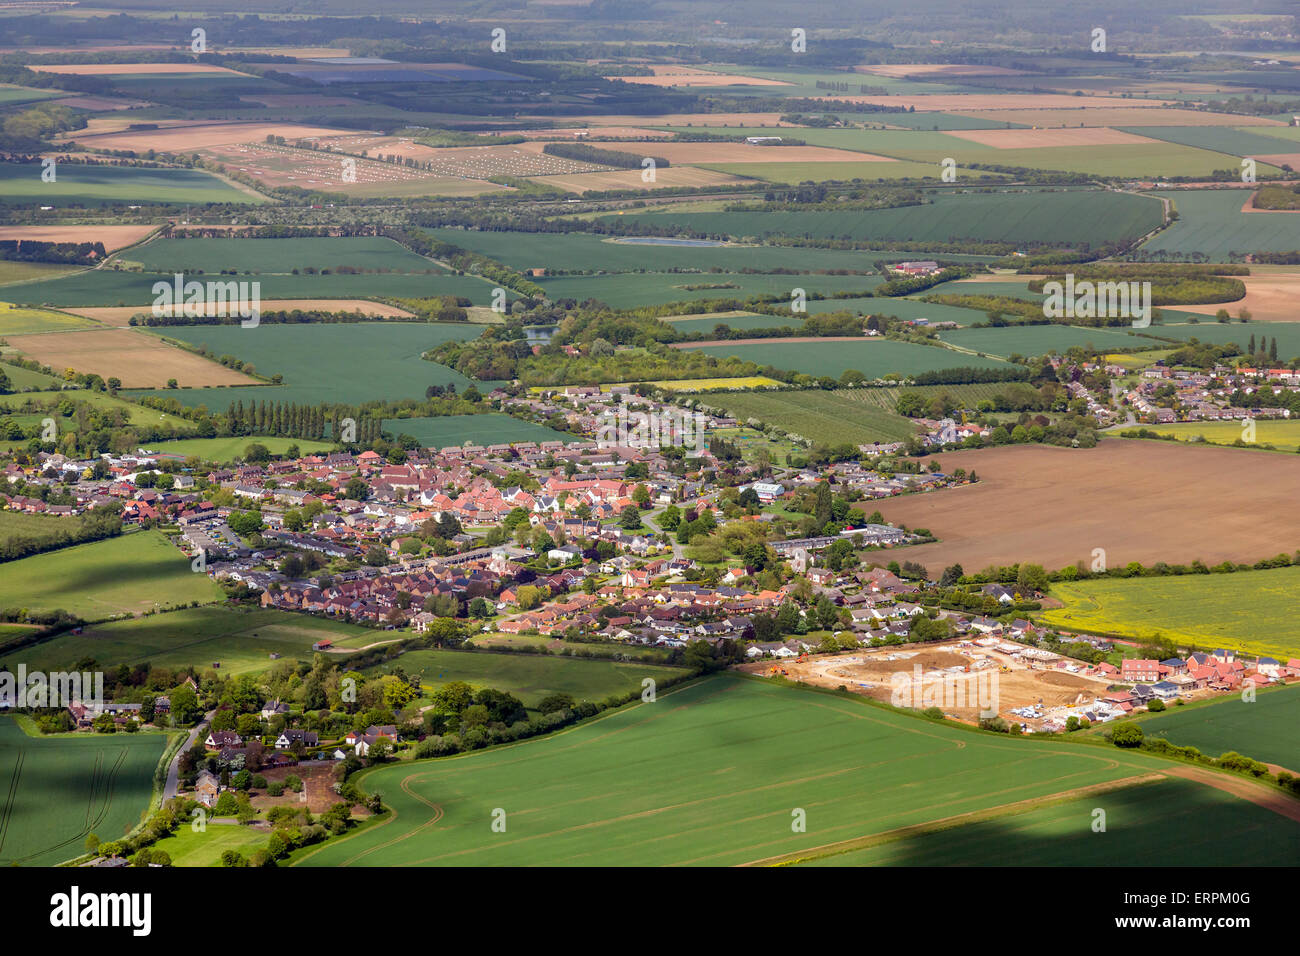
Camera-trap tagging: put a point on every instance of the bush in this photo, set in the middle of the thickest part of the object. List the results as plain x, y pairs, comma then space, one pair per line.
1156, 706
1127, 735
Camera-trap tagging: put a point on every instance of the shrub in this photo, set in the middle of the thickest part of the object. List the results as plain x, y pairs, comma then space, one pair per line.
1127, 735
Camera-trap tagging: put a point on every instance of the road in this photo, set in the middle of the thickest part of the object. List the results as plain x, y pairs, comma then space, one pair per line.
173, 771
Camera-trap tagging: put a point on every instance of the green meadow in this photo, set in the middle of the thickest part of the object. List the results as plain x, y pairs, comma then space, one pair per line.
81, 185
1263, 728
873, 357
1211, 223
360, 253
226, 450
490, 429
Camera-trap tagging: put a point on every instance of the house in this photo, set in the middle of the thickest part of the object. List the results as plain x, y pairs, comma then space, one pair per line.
206, 789
1135, 669
219, 739
287, 739
271, 708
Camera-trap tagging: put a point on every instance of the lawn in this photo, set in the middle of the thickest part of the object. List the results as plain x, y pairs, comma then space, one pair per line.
187, 848
1249, 611
875, 358
130, 574
530, 677
79, 185
1138, 823
226, 450
712, 774
490, 429
57, 791
242, 640
1264, 728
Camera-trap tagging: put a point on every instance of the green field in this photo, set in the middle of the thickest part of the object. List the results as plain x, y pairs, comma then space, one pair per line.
12, 271
490, 429
225, 450
1264, 728
1283, 434
19, 321
873, 357
1032, 340
555, 645
109, 287
1068, 216
352, 362
241, 640
1139, 820
127, 575
1235, 141
710, 774
821, 416
1211, 223
1249, 611
530, 677
1215, 333
57, 791
79, 185
736, 320
187, 848
15, 525
871, 171
371, 254
15, 406
628, 291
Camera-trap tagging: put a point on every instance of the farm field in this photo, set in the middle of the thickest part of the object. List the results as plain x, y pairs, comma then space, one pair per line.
23, 408
348, 363
1264, 728
901, 307
734, 319
719, 764
875, 358
1121, 115
130, 574
530, 677
360, 253
240, 639
11, 271
662, 288
1248, 611
1235, 141
59, 790
1061, 833
135, 358
113, 237
15, 525
824, 417
110, 287
15, 320
1284, 434
490, 429
1270, 297
1034, 340
673, 176
555, 645
1074, 216
227, 450
1286, 333
1211, 223
80, 185
1111, 497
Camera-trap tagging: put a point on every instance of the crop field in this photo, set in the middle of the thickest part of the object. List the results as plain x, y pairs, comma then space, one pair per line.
349, 363
901, 307
1263, 728
130, 574
821, 416
1139, 818
113, 237
1286, 333
588, 252
1117, 497
11, 271
874, 358
19, 407
241, 640
1283, 434
227, 450
108, 287
16, 525
1117, 114
59, 790
662, 288
1033, 340
1073, 216
21, 378
734, 320
530, 677
556, 645
1211, 223
672, 176
121, 315
490, 429
15, 320
137, 359
1249, 611
1270, 297
79, 185
364, 254
865, 169
1234, 141
719, 765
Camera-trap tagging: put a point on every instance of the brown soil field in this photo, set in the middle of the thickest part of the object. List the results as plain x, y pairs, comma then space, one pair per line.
113, 237
687, 153
132, 69
571, 133
966, 102
1039, 138
938, 69
631, 179
189, 137
1280, 159
138, 359
317, 795
1138, 500
120, 316
1270, 298
1105, 114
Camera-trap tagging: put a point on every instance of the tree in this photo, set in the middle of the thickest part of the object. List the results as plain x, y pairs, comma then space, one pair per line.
951, 575
257, 453
1032, 577
1127, 735
629, 519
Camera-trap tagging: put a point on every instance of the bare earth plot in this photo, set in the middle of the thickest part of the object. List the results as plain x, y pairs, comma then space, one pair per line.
113, 237
1107, 114
138, 359
669, 75
1280, 159
962, 102
745, 153
937, 69
1270, 298
189, 137
631, 179
1139, 501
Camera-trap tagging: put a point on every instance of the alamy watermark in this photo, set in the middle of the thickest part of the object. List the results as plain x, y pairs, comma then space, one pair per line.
668, 427
194, 299
1098, 300
37, 689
